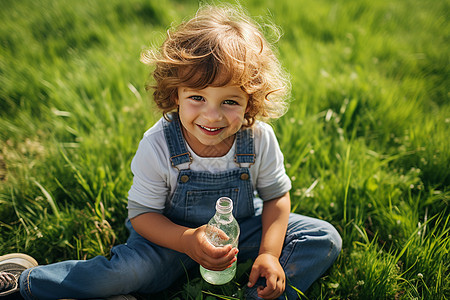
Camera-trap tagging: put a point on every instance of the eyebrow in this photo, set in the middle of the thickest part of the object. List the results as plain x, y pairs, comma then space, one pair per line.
235, 96
199, 92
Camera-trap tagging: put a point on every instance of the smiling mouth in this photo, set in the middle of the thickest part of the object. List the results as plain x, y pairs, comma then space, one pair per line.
210, 129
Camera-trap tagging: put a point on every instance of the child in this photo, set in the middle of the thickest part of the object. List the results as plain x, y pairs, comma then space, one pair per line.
216, 78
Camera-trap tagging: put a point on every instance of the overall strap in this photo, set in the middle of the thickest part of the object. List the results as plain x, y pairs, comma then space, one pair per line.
245, 150
175, 141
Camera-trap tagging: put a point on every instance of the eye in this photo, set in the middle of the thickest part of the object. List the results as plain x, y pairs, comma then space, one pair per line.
230, 102
196, 98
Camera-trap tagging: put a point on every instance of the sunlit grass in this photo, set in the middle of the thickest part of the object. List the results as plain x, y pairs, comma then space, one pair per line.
365, 140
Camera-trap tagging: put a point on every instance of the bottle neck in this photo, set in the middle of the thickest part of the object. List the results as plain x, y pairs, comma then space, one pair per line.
223, 218
224, 209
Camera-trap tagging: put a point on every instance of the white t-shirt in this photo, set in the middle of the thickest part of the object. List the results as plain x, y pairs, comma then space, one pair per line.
155, 179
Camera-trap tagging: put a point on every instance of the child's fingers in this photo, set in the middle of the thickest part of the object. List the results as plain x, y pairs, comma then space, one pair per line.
219, 264
253, 277
265, 293
212, 257
273, 289
270, 289
216, 252
217, 235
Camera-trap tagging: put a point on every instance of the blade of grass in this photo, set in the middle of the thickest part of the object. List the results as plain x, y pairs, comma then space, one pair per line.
49, 199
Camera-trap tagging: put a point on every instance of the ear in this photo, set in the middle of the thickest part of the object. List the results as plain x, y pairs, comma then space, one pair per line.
247, 109
174, 97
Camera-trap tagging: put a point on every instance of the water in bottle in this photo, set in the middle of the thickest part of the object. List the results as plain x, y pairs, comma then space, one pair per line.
222, 229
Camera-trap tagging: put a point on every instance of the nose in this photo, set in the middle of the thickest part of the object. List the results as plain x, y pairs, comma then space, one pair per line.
212, 113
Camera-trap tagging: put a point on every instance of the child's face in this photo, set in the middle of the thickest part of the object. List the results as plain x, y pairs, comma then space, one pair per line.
211, 116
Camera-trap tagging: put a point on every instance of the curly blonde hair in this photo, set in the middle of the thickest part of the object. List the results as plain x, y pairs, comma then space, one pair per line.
220, 45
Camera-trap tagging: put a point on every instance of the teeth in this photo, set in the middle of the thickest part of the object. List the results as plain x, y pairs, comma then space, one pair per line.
209, 129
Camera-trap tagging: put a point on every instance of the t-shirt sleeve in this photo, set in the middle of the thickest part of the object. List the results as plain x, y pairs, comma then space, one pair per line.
272, 181
149, 190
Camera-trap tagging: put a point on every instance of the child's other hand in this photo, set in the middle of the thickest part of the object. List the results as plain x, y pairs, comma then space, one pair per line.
268, 266
199, 249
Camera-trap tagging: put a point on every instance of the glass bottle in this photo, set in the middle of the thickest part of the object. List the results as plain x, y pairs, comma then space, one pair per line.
222, 229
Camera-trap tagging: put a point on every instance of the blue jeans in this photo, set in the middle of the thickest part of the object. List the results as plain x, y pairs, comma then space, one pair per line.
311, 246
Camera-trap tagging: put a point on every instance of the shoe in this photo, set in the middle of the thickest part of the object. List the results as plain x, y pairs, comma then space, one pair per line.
11, 266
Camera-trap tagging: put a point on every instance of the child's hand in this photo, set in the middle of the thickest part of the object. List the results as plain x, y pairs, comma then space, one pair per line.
268, 266
210, 257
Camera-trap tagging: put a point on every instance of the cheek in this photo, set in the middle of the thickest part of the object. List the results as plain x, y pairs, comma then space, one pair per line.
237, 117
185, 109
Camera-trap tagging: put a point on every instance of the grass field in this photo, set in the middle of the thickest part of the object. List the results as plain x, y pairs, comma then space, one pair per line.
366, 139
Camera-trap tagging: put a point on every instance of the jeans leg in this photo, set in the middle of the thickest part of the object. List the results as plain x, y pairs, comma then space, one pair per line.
137, 266
310, 248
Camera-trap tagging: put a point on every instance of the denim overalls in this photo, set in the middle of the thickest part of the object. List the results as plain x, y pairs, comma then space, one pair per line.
194, 200
310, 246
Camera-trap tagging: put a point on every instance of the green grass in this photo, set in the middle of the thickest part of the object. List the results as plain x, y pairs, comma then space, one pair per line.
366, 139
